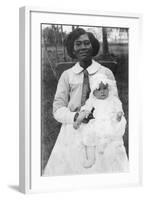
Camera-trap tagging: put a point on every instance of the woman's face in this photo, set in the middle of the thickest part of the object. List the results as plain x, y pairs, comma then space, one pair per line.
83, 48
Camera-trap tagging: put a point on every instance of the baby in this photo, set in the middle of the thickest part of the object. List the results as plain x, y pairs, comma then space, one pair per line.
107, 123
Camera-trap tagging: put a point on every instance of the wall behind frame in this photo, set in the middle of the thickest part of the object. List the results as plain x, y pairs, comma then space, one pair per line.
9, 35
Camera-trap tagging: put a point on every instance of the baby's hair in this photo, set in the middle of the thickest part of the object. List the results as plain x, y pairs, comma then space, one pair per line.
101, 84
104, 85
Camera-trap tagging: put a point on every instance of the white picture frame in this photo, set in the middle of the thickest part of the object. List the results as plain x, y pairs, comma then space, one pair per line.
29, 93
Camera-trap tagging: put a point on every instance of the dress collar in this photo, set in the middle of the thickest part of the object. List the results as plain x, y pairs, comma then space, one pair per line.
92, 69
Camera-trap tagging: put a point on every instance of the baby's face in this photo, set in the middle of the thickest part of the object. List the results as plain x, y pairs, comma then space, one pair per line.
102, 92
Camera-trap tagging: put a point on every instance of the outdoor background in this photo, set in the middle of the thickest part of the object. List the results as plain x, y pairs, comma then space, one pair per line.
54, 60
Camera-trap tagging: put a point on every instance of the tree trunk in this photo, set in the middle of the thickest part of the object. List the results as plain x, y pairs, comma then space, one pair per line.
105, 42
62, 38
55, 35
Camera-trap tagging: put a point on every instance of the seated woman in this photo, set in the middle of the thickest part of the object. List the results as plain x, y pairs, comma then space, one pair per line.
72, 91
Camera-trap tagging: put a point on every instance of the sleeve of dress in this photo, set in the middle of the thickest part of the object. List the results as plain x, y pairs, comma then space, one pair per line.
110, 76
121, 125
117, 104
60, 110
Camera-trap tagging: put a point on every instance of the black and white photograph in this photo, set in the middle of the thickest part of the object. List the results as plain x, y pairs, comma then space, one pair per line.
79, 100
84, 99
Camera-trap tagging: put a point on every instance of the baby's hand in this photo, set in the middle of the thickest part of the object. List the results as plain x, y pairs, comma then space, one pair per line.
119, 116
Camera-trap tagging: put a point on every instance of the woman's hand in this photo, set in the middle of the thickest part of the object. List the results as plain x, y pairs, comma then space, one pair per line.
76, 124
82, 115
119, 116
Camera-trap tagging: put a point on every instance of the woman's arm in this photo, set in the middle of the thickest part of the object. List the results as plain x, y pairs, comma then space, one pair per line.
60, 110
118, 109
110, 76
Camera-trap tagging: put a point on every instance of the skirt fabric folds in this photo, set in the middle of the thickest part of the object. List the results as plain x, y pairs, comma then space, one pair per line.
68, 155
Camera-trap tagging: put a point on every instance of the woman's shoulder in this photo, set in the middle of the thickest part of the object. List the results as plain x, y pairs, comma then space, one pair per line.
71, 69
106, 71
67, 73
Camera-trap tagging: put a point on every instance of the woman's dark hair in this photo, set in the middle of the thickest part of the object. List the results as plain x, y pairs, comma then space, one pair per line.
76, 33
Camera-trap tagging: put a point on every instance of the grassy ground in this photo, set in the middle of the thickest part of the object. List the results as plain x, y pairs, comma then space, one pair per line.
49, 127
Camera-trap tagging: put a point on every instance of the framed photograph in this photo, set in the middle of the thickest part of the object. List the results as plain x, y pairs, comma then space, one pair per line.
79, 100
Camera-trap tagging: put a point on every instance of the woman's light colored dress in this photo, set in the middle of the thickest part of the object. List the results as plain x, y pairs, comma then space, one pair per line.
67, 155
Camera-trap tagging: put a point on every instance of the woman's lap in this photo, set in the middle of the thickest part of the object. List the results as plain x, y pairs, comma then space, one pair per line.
68, 154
